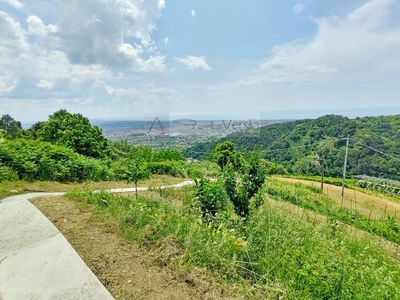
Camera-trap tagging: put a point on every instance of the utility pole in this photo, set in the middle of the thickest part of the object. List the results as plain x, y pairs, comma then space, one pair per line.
322, 170
345, 166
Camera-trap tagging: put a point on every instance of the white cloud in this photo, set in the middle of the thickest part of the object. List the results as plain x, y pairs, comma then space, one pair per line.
100, 29
193, 13
166, 41
15, 3
25, 65
298, 8
357, 46
63, 60
44, 84
194, 62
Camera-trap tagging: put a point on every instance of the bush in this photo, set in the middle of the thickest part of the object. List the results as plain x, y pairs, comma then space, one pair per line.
34, 160
6, 174
168, 155
202, 169
211, 197
167, 168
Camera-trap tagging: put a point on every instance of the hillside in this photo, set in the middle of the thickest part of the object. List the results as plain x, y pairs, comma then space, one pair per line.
301, 145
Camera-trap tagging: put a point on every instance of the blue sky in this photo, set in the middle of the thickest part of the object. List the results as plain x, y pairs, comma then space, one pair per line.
124, 59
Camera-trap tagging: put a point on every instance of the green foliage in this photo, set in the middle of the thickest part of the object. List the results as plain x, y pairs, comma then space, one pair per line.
138, 170
202, 169
272, 168
76, 132
313, 199
168, 155
35, 160
175, 169
211, 196
224, 153
242, 187
34, 129
12, 128
6, 174
286, 254
294, 145
313, 261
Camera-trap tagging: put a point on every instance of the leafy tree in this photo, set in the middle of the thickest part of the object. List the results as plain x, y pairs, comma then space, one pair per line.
225, 153
241, 188
75, 132
12, 127
35, 128
167, 154
137, 171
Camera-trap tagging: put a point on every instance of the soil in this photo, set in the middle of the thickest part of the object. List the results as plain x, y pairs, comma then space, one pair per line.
127, 270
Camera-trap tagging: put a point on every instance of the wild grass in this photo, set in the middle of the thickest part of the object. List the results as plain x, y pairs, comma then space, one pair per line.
22, 187
279, 253
312, 198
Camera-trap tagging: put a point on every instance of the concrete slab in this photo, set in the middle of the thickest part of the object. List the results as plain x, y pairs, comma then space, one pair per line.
36, 261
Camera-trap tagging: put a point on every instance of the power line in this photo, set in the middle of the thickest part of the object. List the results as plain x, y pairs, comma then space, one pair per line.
379, 151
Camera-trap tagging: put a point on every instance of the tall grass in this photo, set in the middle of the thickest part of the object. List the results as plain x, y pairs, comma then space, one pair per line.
313, 199
305, 257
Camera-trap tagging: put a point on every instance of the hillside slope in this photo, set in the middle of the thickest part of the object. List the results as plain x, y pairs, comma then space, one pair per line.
301, 145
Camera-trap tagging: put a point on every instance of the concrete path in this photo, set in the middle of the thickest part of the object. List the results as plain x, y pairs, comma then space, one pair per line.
37, 262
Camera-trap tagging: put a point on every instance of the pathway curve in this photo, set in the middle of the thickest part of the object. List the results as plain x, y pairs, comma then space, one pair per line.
37, 262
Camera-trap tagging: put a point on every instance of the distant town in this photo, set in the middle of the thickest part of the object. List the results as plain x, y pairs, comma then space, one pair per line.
177, 134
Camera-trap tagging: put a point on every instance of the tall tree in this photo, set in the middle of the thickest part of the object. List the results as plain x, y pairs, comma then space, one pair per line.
35, 128
76, 132
225, 153
12, 127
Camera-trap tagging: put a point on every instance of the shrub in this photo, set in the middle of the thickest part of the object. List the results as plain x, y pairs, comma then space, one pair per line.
167, 168
211, 197
35, 160
6, 174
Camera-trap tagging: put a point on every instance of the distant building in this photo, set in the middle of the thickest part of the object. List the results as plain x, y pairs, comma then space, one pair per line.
192, 160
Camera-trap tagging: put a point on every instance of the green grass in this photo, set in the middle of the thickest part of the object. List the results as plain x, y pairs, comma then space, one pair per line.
23, 187
279, 253
349, 183
311, 198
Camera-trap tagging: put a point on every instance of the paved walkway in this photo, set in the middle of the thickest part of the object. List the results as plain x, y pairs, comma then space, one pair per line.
37, 262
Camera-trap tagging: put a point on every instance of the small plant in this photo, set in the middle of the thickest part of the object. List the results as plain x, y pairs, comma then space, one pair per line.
211, 197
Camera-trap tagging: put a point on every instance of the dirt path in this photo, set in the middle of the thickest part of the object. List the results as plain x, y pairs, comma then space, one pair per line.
368, 205
125, 269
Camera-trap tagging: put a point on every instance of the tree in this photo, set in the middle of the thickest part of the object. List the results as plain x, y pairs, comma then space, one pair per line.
241, 188
35, 128
12, 127
137, 170
76, 132
225, 153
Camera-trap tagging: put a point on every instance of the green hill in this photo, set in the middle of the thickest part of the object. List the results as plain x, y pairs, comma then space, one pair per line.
301, 145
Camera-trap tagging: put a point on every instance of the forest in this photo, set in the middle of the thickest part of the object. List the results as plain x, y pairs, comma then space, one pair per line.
302, 146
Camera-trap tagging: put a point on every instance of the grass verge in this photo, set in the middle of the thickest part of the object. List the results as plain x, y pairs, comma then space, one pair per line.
278, 254
9, 188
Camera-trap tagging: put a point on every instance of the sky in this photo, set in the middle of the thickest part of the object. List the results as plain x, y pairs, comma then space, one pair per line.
125, 59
